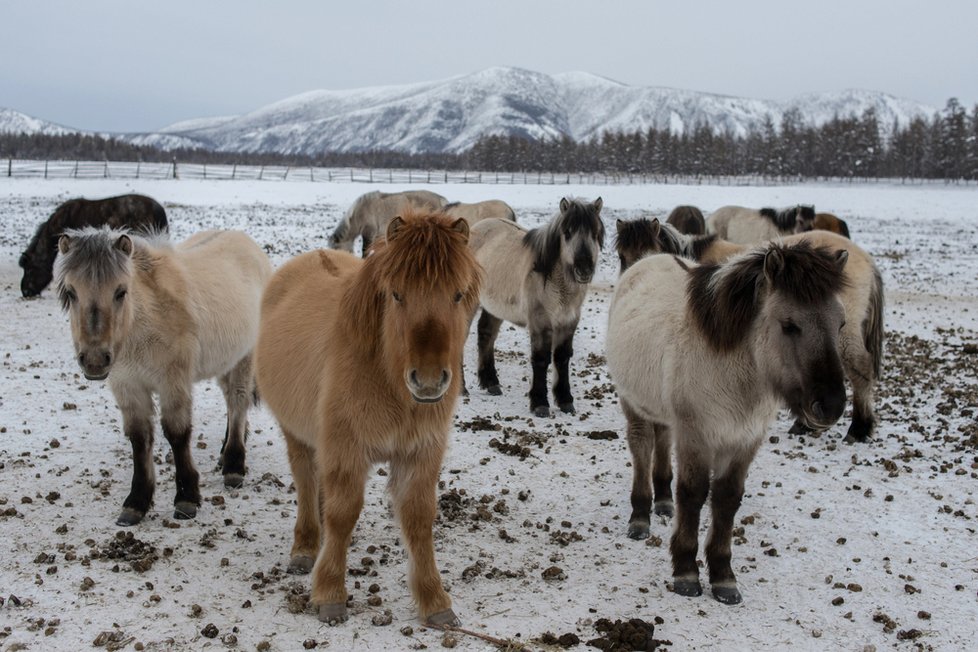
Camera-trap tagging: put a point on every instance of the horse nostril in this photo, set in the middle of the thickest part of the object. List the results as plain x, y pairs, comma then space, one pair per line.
107, 358
413, 376
817, 410
445, 377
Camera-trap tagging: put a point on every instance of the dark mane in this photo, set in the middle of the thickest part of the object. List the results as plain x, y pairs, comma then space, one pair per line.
724, 299
544, 241
700, 245
784, 219
641, 235
451, 205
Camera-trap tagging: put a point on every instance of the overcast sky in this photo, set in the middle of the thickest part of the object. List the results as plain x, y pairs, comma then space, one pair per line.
117, 65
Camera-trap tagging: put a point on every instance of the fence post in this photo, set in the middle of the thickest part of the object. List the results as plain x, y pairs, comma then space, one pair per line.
138, 163
261, 172
390, 175
174, 167
45, 169
234, 171
10, 166
105, 173
286, 175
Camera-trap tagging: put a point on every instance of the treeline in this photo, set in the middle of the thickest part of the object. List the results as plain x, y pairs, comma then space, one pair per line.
942, 147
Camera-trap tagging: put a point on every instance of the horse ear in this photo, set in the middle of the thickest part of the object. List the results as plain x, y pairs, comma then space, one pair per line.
64, 244
393, 227
598, 203
564, 204
124, 244
619, 224
656, 227
773, 264
462, 227
841, 257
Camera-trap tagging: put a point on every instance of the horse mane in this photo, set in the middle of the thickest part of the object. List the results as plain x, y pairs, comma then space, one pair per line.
639, 234
784, 219
544, 241
451, 205
93, 254
428, 253
725, 299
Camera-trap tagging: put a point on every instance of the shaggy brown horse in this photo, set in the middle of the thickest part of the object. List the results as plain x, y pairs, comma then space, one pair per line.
136, 212
829, 222
155, 318
688, 220
358, 361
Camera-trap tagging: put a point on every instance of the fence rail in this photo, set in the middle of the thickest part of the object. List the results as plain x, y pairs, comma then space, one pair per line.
18, 168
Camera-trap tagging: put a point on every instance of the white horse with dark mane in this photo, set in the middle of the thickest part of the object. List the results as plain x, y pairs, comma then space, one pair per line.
703, 356
753, 226
370, 213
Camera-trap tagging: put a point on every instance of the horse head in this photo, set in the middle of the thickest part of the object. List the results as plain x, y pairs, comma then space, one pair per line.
804, 218
428, 280
581, 234
94, 273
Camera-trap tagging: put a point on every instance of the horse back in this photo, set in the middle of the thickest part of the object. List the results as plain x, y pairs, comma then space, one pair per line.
507, 263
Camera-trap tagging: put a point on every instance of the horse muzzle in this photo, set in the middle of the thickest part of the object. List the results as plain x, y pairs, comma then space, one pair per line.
95, 364
424, 391
583, 275
823, 413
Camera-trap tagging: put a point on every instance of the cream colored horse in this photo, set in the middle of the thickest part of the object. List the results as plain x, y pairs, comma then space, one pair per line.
369, 214
751, 226
155, 318
357, 360
482, 210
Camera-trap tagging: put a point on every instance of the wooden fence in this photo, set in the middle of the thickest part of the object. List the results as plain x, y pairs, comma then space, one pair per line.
16, 168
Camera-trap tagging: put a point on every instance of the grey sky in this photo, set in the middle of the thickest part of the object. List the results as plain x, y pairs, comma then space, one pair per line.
119, 65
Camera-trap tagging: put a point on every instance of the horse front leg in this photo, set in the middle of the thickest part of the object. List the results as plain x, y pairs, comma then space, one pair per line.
563, 350
541, 353
307, 533
638, 431
413, 482
176, 407
662, 470
859, 369
692, 487
137, 409
238, 387
487, 331
726, 493
341, 480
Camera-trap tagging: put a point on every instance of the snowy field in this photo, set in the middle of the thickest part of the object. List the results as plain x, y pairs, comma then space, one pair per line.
848, 547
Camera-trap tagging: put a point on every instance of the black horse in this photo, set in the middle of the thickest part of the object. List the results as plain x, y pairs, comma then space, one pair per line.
136, 212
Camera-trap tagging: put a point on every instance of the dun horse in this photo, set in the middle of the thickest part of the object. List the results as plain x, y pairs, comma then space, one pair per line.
704, 355
482, 210
370, 213
829, 222
357, 359
750, 226
688, 220
862, 296
537, 279
136, 212
155, 318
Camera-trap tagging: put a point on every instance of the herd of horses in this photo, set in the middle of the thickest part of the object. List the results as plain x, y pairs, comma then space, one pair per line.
714, 325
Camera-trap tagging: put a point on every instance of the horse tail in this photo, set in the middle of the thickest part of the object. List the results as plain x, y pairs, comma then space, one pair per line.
844, 229
873, 324
159, 217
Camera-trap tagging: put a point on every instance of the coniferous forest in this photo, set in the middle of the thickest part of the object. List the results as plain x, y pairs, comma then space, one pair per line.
942, 147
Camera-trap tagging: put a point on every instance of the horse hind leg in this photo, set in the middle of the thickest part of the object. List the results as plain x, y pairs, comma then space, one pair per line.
640, 443
863, 379
662, 471
487, 331
238, 386
307, 532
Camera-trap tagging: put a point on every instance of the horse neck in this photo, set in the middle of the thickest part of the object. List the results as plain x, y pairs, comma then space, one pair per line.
786, 219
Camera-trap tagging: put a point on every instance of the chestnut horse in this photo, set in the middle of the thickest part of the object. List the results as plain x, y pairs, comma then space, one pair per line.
155, 318
358, 361
829, 222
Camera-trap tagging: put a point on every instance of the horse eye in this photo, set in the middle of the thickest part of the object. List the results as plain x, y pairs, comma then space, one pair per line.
72, 297
397, 296
789, 328
457, 298
120, 294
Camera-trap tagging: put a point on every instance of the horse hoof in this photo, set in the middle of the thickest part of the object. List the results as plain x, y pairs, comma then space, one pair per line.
495, 390
727, 594
233, 480
858, 433
799, 428
567, 408
541, 411
688, 588
664, 508
301, 564
444, 618
184, 510
638, 531
333, 614
129, 516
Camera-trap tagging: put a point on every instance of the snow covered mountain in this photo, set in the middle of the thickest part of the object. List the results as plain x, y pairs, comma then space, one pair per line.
453, 114
15, 122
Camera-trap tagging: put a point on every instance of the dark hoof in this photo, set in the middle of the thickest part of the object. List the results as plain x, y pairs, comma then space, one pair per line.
542, 411
664, 508
129, 516
799, 428
859, 433
233, 480
495, 390
638, 531
727, 594
444, 618
567, 408
688, 588
301, 564
333, 614
184, 510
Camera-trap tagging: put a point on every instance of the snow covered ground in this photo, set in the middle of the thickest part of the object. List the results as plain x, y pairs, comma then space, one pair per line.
841, 546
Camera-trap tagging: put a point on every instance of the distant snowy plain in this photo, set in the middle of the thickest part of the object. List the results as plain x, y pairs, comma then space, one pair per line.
849, 547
